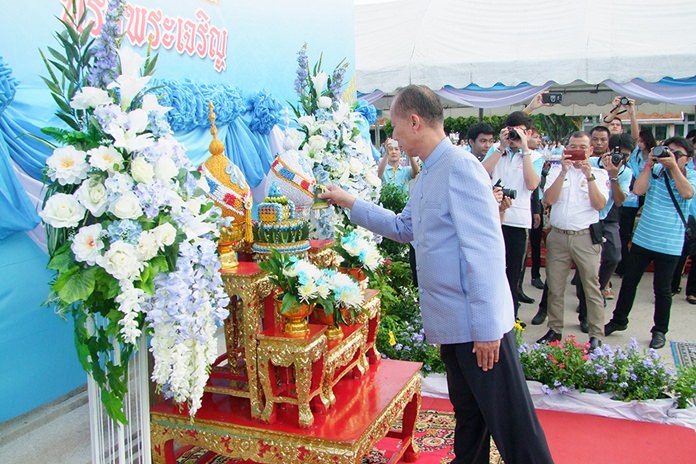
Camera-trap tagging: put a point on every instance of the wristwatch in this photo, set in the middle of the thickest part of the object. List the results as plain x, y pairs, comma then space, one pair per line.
527, 153
614, 179
591, 178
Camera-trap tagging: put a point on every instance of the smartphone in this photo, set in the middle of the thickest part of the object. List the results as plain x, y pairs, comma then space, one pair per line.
575, 155
552, 98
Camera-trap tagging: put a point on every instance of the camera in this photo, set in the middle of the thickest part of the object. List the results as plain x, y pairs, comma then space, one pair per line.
510, 193
512, 134
553, 98
660, 152
616, 156
624, 101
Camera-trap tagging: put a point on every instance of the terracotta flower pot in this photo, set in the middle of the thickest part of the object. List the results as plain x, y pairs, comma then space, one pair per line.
333, 331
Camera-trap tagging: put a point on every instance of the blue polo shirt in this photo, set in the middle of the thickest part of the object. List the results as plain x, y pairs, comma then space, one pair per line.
660, 228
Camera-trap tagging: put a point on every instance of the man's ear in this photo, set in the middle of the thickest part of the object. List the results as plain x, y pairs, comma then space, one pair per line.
415, 121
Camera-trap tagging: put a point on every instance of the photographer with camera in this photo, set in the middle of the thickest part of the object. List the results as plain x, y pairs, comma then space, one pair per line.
577, 192
613, 122
620, 179
659, 237
518, 168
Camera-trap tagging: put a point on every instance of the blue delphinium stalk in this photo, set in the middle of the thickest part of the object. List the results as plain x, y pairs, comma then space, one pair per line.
103, 69
302, 70
337, 80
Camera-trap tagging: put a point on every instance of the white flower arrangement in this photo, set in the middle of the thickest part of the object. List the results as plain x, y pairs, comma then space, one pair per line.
134, 241
358, 250
332, 140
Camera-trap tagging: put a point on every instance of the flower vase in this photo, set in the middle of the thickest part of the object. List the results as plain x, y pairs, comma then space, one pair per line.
295, 320
356, 273
333, 331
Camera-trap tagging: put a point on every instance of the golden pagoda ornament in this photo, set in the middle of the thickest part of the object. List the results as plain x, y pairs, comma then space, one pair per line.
231, 192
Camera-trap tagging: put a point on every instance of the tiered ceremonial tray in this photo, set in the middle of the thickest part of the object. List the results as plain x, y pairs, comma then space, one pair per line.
274, 398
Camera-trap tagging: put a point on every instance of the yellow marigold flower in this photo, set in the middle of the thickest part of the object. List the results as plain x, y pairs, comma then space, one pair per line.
392, 338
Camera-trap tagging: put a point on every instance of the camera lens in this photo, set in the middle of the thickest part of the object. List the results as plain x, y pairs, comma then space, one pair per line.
659, 152
512, 134
624, 101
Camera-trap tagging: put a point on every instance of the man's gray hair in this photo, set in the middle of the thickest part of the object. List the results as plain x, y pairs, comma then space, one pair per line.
420, 100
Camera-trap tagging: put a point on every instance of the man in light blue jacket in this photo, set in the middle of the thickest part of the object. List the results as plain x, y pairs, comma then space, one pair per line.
453, 222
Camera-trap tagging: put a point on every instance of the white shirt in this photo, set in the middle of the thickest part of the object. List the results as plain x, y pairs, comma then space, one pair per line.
573, 210
510, 170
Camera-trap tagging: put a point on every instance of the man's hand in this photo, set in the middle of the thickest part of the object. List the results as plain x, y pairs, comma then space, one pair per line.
536, 103
335, 195
503, 137
536, 220
566, 163
487, 354
669, 162
611, 168
584, 166
498, 194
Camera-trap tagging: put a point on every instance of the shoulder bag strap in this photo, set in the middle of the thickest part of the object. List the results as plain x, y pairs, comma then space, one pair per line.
674, 200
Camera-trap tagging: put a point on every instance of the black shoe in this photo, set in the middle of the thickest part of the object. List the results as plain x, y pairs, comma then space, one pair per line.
676, 291
612, 327
539, 317
523, 298
584, 327
537, 283
551, 336
521, 323
595, 343
658, 340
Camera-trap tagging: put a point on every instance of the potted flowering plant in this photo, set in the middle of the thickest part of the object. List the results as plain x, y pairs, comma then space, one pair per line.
359, 255
346, 302
301, 285
131, 233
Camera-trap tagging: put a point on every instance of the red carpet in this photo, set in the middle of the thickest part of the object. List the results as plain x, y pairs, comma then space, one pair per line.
573, 438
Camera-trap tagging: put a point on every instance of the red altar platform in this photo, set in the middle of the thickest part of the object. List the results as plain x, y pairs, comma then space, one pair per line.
364, 411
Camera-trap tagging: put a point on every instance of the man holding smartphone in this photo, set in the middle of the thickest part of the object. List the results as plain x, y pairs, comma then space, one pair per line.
577, 192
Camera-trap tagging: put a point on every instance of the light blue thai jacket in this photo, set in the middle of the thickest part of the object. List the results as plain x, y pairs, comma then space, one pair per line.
453, 223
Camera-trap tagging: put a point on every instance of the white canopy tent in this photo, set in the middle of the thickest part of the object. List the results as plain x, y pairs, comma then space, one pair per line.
539, 42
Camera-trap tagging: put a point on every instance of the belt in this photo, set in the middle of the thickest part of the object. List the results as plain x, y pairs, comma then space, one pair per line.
572, 232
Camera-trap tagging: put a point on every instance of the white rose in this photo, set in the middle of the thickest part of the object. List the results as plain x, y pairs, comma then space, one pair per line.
165, 168
90, 97
87, 244
324, 102
373, 180
148, 245
105, 158
62, 210
142, 171
67, 165
122, 261
316, 143
319, 81
356, 166
126, 207
165, 234
93, 196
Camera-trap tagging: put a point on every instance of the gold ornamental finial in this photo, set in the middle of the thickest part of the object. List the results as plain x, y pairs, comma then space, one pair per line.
216, 147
